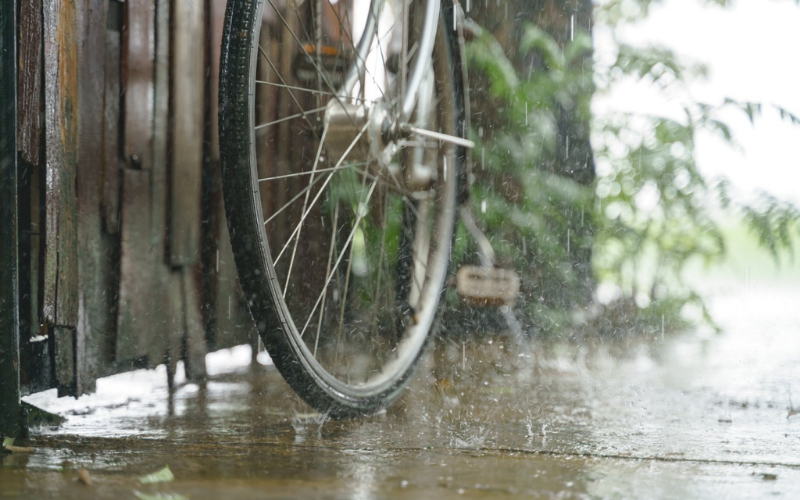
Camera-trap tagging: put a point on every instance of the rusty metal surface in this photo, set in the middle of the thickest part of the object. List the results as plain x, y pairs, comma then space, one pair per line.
30, 80
60, 305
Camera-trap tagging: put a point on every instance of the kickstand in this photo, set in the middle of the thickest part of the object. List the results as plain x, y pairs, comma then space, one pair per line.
506, 282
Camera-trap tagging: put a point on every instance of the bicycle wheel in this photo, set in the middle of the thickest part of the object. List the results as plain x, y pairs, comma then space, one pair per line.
339, 137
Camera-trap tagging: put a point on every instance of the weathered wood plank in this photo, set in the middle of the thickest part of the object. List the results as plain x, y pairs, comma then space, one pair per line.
60, 306
212, 190
233, 323
92, 344
136, 267
30, 80
64, 345
35, 363
175, 347
112, 168
160, 321
138, 45
9, 285
216, 18
194, 337
186, 339
37, 238
188, 90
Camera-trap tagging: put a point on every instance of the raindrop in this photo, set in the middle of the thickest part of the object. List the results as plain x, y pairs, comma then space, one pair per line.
572, 28
304, 423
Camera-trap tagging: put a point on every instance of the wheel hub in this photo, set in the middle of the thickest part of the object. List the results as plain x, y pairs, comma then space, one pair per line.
359, 132
369, 134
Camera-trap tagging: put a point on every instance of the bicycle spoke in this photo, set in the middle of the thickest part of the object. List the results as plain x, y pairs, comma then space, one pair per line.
347, 276
300, 44
339, 259
344, 302
327, 271
283, 84
318, 70
381, 253
308, 172
321, 191
348, 35
289, 203
305, 205
312, 91
298, 115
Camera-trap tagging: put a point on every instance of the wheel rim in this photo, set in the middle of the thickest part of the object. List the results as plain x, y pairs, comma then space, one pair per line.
355, 245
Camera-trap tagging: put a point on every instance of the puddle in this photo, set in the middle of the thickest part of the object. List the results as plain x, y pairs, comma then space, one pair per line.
692, 416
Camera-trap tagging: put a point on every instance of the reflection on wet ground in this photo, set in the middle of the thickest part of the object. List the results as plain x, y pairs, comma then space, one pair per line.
696, 415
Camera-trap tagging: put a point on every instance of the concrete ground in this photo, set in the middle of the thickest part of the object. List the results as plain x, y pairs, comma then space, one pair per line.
693, 415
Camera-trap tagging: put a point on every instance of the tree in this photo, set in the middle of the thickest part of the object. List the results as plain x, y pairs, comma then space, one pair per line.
628, 208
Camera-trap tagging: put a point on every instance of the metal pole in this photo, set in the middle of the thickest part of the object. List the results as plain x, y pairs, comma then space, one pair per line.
9, 278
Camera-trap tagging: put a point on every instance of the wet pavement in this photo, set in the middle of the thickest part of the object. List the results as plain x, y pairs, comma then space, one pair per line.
692, 415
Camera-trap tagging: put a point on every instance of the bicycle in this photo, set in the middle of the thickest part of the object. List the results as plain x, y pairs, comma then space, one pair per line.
343, 160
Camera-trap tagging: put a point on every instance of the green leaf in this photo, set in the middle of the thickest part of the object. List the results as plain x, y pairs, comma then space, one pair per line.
545, 44
163, 476
486, 54
159, 496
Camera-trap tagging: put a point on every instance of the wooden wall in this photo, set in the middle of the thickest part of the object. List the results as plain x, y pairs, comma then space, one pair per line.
124, 256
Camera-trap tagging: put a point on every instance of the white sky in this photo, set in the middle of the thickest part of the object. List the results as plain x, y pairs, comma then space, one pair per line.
752, 50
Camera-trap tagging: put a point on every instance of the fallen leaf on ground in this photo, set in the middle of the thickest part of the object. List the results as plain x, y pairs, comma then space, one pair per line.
159, 496
163, 476
84, 477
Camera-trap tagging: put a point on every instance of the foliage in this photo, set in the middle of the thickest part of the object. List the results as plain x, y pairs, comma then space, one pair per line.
526, 208
654, 211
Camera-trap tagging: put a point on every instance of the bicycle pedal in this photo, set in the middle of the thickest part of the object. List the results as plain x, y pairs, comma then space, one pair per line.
487, 286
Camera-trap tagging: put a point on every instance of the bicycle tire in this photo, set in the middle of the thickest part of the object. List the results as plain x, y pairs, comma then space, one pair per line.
328, 387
